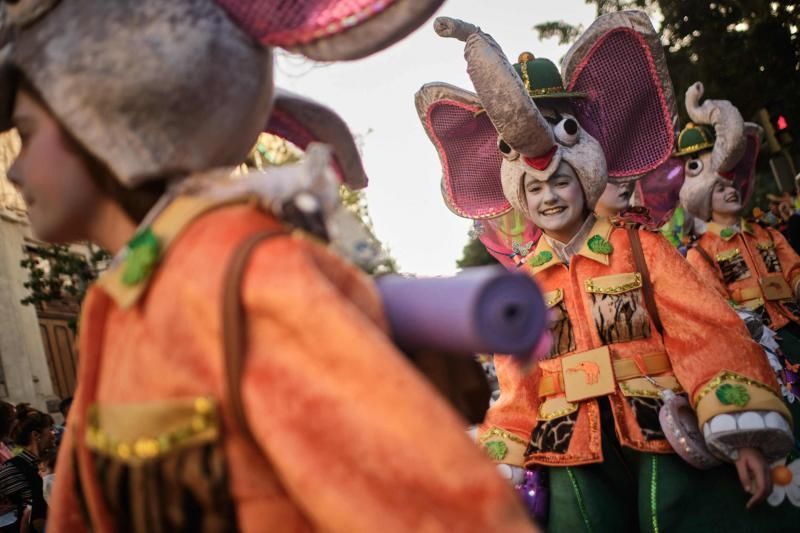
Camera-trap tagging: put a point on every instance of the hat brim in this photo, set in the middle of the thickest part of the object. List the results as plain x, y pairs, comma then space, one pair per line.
693, 149
573, 94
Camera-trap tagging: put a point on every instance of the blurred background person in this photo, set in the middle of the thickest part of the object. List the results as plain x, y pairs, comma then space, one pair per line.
20, 481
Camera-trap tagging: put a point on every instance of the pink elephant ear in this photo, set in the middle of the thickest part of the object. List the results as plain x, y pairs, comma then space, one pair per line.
466, 142
743, 174
302, 121
659, 189
329, 30
630, 105
509, 238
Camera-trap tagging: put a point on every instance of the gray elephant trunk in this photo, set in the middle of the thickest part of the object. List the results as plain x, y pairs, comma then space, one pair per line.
507, 102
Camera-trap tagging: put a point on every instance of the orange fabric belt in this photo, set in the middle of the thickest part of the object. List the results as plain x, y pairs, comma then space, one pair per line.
656, 363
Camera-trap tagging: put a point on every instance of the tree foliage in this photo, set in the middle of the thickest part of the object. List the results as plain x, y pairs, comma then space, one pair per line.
56, 273
474, 254
558, 29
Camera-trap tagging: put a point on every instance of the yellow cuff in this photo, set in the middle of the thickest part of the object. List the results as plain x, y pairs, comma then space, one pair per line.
729, 392
503, 447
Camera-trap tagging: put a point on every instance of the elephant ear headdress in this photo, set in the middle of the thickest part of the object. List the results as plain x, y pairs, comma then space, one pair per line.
171, 87
732, 145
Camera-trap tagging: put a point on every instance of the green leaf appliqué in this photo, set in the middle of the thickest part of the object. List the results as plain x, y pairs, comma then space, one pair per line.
599, 245
727, 233
729, 394
541, 258
496, 449
143, 255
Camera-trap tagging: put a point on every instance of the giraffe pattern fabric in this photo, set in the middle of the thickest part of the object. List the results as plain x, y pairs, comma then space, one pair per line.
770, 257
561, 329
733, 268
620, 317
552, 435
646, 409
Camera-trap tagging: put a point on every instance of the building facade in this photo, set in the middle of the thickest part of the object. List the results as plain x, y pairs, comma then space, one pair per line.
36, 345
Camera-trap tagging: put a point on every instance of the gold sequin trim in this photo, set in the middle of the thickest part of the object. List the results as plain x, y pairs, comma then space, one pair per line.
149, 447
765, 246
646, 393
635, 283
730, 254
699, 146
544, 91
728, 376
503, 434
558, 414
523, 67
555, 297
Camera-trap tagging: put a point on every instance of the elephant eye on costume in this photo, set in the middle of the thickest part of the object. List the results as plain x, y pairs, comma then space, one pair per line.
508, 152
693, 167
566, 131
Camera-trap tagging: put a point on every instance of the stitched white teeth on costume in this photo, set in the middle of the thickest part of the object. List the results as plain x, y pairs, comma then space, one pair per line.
553, 211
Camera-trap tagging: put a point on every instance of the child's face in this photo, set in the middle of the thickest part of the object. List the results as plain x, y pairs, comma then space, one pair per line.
54, 180
556, 205
615, 199
725, 199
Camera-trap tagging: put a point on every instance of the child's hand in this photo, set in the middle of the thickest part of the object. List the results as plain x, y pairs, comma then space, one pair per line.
754, 474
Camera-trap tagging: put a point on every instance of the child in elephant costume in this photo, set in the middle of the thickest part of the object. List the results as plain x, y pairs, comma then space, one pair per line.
634, 326
752, 266
228, 364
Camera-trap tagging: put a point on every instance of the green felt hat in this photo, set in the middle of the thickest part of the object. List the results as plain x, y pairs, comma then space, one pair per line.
542, 78
695, 138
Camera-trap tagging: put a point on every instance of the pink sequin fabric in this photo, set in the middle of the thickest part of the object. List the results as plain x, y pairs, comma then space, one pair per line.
659, 189
467, 145
624, 96
293, 22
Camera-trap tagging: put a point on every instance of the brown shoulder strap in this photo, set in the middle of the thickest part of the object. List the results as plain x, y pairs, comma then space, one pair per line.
234, 324
705, 255
647, 286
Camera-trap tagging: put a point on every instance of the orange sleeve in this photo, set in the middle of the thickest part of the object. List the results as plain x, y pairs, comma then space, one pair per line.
788, 258
704, 338
512, 417
709, 274
359, 440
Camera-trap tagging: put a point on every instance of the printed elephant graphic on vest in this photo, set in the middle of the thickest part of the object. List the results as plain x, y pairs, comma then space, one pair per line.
591, 369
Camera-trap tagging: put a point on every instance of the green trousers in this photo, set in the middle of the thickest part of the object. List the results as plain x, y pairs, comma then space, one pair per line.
632, 491
789, 341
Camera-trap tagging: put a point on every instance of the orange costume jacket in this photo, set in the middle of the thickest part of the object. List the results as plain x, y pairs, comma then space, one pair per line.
549, 415
748, 267
349, 436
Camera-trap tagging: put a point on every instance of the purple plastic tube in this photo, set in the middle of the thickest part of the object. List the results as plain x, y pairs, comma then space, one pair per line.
481, 310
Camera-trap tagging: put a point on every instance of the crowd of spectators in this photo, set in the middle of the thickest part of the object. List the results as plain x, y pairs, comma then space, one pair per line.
29, 442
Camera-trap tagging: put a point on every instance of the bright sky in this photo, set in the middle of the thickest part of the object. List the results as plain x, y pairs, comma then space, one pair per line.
375, 96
